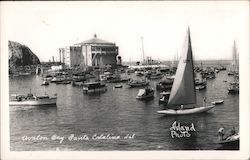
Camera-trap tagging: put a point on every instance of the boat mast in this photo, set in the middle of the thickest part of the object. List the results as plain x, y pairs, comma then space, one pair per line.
143, 58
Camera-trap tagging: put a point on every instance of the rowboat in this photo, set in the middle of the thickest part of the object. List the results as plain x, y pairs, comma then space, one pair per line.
218, 102
232, 140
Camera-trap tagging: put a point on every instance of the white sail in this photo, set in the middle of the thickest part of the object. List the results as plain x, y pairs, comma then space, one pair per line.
183, 89
235, 58
234, 64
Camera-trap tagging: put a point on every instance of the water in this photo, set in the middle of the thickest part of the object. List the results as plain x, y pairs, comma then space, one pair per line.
118, 113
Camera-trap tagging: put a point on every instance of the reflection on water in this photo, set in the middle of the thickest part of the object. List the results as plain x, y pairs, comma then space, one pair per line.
116, 112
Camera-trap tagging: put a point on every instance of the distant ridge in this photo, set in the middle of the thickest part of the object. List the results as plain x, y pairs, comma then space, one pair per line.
21, 55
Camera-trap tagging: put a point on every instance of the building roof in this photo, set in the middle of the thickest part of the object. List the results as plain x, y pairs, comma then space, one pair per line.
95, 40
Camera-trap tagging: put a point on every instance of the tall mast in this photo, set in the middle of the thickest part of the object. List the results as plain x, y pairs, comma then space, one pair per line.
143, 60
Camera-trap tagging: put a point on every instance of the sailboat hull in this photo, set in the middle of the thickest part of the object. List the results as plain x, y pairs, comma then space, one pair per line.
186, 111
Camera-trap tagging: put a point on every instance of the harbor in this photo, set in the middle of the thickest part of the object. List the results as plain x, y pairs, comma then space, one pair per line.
117, 112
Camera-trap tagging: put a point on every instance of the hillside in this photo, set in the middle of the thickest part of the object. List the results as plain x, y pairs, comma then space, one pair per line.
21, 55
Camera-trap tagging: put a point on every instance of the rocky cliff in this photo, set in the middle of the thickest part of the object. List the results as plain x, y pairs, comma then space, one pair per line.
21, 55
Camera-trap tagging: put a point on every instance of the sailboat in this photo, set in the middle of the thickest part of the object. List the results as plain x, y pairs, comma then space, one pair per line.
234, 70
234, 86
183, 90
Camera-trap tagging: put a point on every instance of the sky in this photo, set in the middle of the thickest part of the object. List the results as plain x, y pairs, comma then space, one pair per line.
47, 26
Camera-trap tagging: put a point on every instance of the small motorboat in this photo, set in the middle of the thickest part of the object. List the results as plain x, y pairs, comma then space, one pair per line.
156, 76
234, 88
32, 100
137, 83
24, 73
200, 87
94, 87
139, 73
165, 84
118, 86
218, 102
230, 73
164, 98
63, 82
77, 84
45, 83
145, 94
232, 140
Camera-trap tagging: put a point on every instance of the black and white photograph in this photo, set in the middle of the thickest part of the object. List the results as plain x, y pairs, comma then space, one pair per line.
125, 76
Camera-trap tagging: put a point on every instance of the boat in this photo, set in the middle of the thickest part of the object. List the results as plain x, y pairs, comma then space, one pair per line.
164, 97
139, 73
57, 79
32, 100
63, 82
222, 68
112, 78
77, 84
201, 87
145, 94
45, 83
234, 86
105, 76
211, 75
47, 78
208, 73
218, 102
137, 83
183, 90
93, 87
118, 86
230, 73
165, 84
234, 67
78, 77
24, 73
232, 140
200, 80
155, 76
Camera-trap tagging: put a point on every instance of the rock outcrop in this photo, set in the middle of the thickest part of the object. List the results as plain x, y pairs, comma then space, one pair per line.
21, 55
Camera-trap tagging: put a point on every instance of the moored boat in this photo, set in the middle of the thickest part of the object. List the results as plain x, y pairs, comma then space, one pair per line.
118, 86
138, 83
32, 100
93, 87
57, 79
78, 84
63, 82
24, 73
218, 102
233, 89
156, 76
200, 87
145, 94
164, 97
165, 84
139, 73
45, 83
